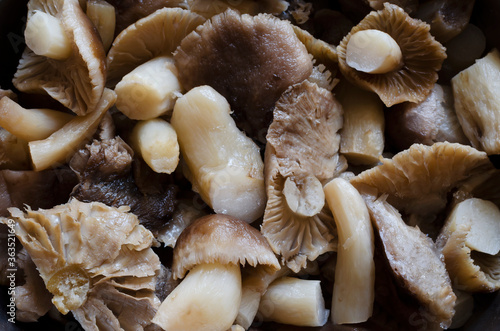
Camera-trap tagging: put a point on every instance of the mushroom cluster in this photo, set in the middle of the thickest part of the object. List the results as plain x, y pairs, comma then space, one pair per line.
222, 165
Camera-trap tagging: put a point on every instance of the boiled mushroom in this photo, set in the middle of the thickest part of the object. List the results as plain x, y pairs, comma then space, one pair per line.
72, 70
379, 55
213, 7
103, 16
209, 296
250, 60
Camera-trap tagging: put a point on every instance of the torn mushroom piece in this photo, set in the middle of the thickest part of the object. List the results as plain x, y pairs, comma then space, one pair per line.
212, 249
414, 260
379, 55
154, 35
301, 154
64, 58
96, 261
250, 60
470, 243
432, 120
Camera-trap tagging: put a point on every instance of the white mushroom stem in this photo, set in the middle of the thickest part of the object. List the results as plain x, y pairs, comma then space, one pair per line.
45, 36
294, 301
102, 14
156, 141
150, 90
305, 196
207, 299
353, 290
373, 52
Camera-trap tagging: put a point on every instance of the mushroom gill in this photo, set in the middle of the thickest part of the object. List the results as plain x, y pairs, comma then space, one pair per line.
301, 155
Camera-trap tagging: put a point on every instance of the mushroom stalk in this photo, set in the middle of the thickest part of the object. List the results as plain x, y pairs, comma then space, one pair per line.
102, 14
207, 299
374, 52
45, 36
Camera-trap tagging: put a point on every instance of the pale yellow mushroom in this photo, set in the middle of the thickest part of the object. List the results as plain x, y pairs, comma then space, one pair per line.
102, 14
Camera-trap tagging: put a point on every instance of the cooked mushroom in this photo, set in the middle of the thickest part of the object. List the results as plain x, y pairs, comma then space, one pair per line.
96, 261
30, 124
353, 289
369, 56
294, 301
223, 164
322, 52
102, 15
75, 75
154, 35
432, 120
301, 154
250, 60
209, 8
209, 296
14, 152
414, 260
477, 100
470, 243
409, 6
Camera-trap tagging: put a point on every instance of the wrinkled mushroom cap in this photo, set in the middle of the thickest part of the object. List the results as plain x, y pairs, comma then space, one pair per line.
157, 34
77, 82
250, 60
224, 239
422, 57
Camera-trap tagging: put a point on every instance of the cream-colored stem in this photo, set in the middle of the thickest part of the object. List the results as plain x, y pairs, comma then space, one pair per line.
102, 14
373, 52
45, 36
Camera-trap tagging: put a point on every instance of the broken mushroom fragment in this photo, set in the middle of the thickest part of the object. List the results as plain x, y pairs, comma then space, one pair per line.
470, 243
102, 15
212, 249
77, 79
395, 79
477, 101
301, 154
154, 35
93, 259
224, 165
250, 60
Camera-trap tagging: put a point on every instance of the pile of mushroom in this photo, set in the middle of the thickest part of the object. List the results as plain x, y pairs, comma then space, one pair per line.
216, 165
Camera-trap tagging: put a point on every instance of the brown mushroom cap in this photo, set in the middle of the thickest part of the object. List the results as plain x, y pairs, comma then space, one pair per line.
154, 35
77, 82
209, 8
250, 60
219, 238
422, 57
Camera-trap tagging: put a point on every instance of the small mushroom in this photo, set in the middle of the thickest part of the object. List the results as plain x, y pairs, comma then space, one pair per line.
154, 35
212, 249
301, 155
64, 58
380, 55
250, 60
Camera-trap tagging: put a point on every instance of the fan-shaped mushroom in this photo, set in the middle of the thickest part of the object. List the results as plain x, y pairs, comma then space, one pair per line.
393, 55
96, 260
250, 60
301, 153
76, 74
209, 296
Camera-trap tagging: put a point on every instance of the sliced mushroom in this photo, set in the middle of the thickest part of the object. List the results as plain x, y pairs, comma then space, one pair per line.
250, 60
414, 260
154, 35
395, 79
432, 120
77, 79
93, 259
209, 296
301, 155
475, 90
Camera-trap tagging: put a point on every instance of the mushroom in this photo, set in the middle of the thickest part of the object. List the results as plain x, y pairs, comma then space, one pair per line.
409, 6
477, 100
154, 35
379, 54
432, 120
301, 154
64, 58
14, 152
103, 16
209, 8
250, 60
96, 261
209, 296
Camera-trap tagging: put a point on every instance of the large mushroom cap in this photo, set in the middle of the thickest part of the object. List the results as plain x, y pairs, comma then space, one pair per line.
221, 239
76, 82
422, 57
154, 35
250, 60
